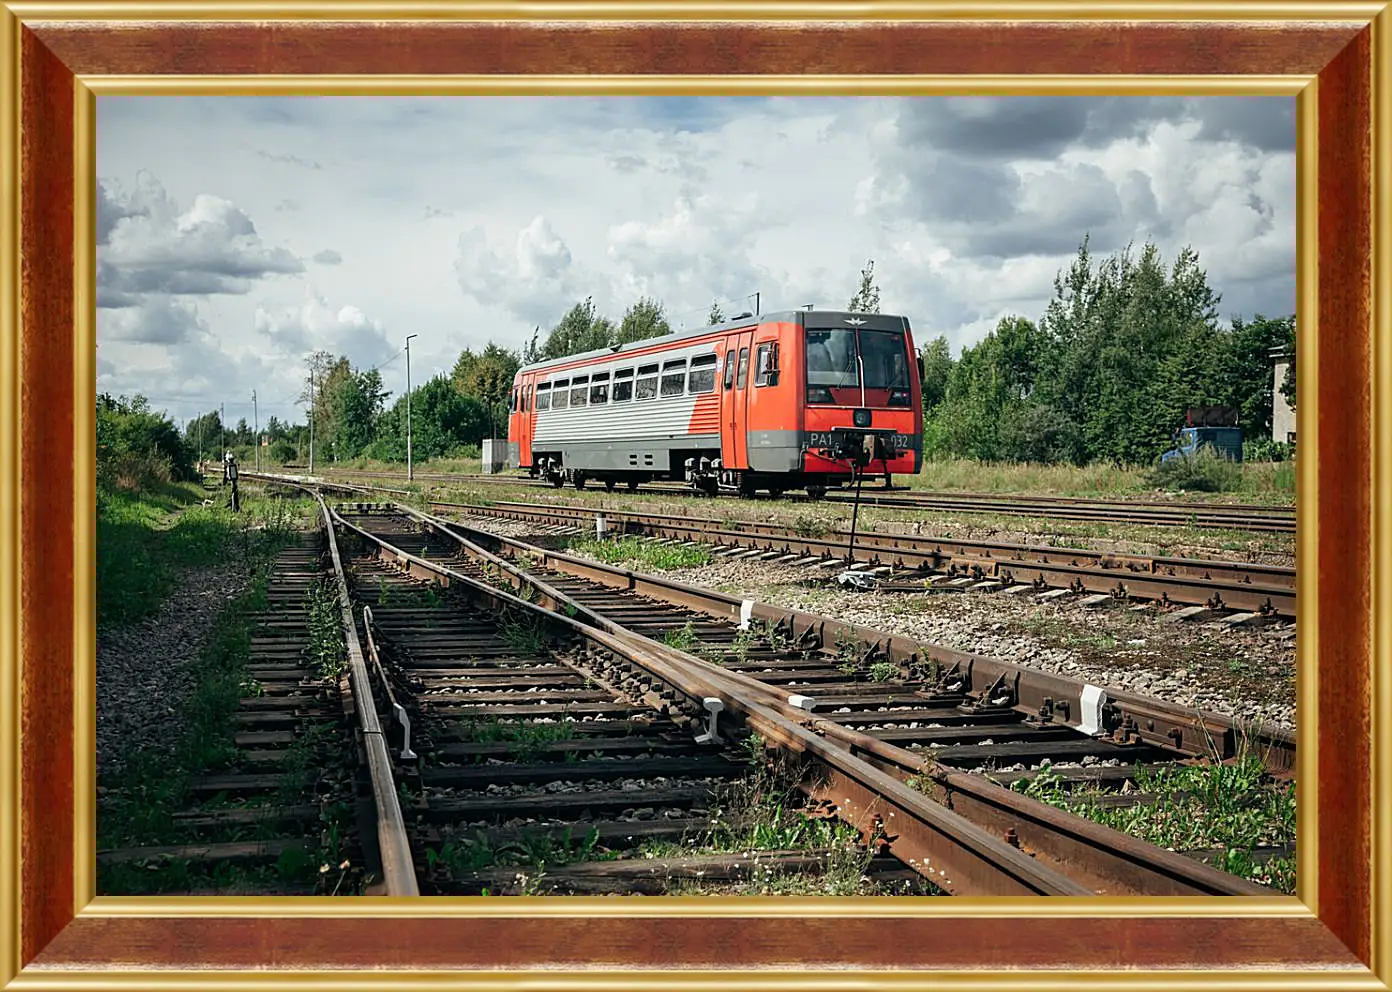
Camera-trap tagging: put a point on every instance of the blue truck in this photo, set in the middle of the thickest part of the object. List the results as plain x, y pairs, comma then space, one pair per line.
1208, 426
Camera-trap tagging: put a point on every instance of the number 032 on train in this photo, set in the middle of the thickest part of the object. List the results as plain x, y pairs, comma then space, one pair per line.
801, 399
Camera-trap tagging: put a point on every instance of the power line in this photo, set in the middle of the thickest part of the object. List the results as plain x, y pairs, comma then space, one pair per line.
706, 309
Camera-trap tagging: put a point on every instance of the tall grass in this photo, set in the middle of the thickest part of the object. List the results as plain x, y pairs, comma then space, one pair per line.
1265, 481
145, 537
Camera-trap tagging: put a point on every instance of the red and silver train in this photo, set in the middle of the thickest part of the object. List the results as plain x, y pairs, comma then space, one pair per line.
802, 399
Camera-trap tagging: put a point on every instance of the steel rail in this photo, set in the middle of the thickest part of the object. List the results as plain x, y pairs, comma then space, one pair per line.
956, 854
1106, 860
1192, 733
1224, 516
949, 550
398, 868
1218, 585
1195, 733
1238, 586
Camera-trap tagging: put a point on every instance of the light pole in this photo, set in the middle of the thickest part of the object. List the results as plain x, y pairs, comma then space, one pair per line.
311, 421
255, 431
409, 474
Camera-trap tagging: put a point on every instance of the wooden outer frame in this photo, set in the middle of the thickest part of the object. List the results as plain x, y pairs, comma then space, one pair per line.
54, 935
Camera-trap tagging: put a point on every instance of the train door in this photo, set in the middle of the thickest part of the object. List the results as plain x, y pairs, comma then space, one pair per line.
526, 422
734, 438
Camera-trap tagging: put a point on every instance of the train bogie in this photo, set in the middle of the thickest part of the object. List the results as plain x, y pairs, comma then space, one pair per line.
797, 400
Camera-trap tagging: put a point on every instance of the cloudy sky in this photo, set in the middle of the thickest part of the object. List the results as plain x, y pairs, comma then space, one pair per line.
238, 234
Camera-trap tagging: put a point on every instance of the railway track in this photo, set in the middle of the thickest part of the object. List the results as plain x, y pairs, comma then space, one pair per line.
288, 810
528, 771
888, 755
1257, 518
1190, 589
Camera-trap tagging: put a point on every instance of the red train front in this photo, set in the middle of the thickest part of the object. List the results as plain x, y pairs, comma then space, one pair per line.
802, 399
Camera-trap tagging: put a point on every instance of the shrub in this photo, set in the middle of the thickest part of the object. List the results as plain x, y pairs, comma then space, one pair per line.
1203, 471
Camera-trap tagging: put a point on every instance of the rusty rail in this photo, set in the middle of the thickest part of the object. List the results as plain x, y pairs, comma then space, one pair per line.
1265, 518
1104, 860
958, 855
398, 868
1237, 586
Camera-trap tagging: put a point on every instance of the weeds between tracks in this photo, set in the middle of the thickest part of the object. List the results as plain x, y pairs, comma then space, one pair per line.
1230, 812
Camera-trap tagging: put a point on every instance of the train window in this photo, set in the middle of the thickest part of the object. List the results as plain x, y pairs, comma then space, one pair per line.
743, 369
623, 385
647, 382
886, 360
702, 378
729, 368
674, 378
599, 388
560, 394
763, 363
579, 389
543, 396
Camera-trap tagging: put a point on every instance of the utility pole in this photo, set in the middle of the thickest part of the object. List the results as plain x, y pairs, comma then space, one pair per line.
255, 431
756, 305
409, 475
222, 422
311, 421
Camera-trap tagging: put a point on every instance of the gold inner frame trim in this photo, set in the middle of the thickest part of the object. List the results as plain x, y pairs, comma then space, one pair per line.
86, 88
9, 496
858, 11
1307, 494
1381, 717
575, 85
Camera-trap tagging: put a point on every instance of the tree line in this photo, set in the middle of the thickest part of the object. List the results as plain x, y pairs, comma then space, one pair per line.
1106, 373
1103, 374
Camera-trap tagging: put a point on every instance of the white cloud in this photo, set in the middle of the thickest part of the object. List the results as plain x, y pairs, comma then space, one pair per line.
315, 324
533, 281
465, 219
154, 247
159, 320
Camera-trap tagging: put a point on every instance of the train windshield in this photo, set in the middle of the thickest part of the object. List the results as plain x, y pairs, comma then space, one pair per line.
837, 359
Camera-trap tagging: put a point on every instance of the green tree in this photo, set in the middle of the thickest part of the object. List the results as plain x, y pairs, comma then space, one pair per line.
937, 370
137, 447
531, 354
867, 298
443, 421
645, 319
204, 435
1288, 380
1246, 369
580, 330
488, 378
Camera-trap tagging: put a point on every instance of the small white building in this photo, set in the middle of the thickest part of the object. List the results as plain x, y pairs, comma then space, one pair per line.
1282, 416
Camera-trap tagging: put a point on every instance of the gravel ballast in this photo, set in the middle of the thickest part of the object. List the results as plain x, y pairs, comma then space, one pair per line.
143, 670
1244, 672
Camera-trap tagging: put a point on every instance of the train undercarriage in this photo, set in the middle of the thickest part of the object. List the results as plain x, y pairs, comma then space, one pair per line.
704, 474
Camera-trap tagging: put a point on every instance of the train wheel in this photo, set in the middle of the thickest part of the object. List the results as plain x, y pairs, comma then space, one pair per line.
632, 485
557, 480
579, 480
609, 485
776, 492
816, 492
